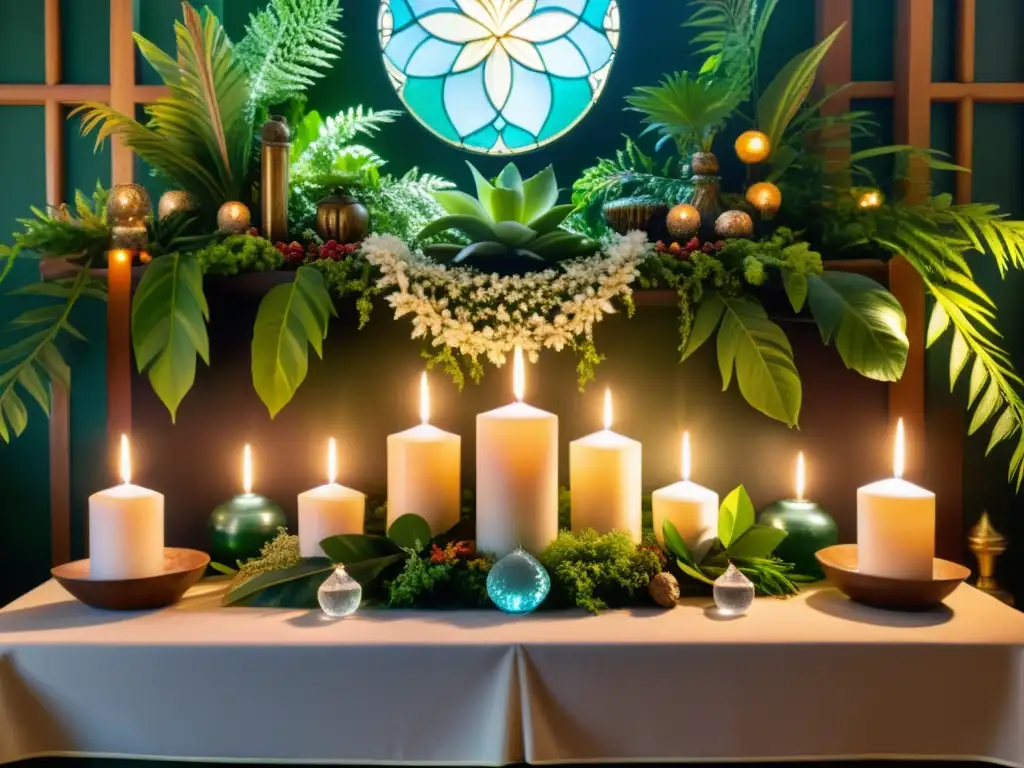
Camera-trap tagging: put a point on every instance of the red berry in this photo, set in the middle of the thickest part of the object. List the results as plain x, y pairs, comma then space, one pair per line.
693, 244
709, 248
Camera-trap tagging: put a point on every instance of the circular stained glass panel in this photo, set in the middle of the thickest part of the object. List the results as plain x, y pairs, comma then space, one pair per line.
499, 76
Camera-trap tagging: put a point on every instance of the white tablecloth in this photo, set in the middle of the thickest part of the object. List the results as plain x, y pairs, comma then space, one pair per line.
812, 677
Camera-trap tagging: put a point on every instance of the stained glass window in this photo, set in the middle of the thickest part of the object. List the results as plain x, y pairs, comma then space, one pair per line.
499, 76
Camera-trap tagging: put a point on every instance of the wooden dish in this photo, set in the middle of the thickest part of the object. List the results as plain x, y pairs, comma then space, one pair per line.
840, 565
182, 569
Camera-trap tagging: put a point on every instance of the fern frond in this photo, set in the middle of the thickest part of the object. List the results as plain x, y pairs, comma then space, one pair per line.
287, 46
198, 135
326, 139
730, 34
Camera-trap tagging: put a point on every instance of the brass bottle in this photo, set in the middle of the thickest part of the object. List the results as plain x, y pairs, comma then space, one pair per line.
274, 161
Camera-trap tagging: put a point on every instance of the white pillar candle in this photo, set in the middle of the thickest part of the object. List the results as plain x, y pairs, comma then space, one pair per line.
691, 508
126, 529
329, 510
896, 525
424, 465
605, 471
516, 475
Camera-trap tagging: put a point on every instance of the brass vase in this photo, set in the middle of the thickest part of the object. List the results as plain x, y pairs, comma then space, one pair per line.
342, 218
705, 167
275, 139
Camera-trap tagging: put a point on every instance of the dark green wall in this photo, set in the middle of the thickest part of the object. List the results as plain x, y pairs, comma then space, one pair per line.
652, 43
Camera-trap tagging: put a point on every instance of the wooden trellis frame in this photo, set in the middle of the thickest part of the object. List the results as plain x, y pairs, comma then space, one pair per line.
912, 90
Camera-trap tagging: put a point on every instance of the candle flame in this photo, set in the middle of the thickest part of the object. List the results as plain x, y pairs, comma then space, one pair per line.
424, 399
120, 256
126, 461
898, 454
607, 409
686, 456
247, 469
801, 479
332, 461
518, 375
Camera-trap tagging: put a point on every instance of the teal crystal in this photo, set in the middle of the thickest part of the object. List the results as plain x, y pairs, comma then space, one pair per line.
518, 583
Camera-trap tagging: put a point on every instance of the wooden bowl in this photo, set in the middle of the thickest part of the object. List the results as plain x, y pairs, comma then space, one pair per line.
182, 569
840, 565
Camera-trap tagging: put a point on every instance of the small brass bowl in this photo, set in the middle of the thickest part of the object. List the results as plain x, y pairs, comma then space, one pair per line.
182, 569
840, 565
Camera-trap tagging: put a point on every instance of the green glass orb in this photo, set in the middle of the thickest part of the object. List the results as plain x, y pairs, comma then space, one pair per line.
240, 526
809, 528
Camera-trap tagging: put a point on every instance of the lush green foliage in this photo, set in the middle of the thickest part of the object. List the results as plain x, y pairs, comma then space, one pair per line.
448, 577
237, 254
286, 46
77, 233
291, 317
511, 217
198, 136
686, 110
597, 571
402, 206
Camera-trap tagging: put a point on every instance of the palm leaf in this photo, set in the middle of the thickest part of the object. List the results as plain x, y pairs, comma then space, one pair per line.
686, 109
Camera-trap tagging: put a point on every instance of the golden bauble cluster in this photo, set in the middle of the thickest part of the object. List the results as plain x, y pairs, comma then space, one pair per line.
732, 224
234, 217
128, 206
753, 147
174, 201
683, 221
765, 197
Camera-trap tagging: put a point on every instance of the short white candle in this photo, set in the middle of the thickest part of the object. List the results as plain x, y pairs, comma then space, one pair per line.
516, 475
691, 508
126, 529
605, 475
896, 525
329, 510
424, 465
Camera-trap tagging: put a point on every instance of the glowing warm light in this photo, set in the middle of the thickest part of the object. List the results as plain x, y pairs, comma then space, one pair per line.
247, 469
898, 457
518, 375
801, 479
607, 409
126, 461
753, 147
766, 197
870, 199
424, 399
120, 256
686, 456
332, 461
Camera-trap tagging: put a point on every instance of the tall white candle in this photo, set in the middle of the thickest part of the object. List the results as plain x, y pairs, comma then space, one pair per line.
691, 508
605, 471
424, 466
896, 525
329, 510
516, 474
126, 528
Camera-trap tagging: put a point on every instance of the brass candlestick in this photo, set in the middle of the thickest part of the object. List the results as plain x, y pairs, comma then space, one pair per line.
988, 544
276, 140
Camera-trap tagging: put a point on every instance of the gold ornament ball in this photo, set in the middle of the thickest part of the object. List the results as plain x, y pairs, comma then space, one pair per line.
734, 224
128, 204
174, 201
683, 221
870, 198
753, 147
233, 217
766, 197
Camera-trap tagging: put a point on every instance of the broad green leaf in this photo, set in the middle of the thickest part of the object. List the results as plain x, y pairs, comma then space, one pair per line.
510, 178
958, 356
552, 219
483, 249
33, 384
709, 314
351, 548
169, 314
1004, 428
674, 542
735, 516
477, 229
865, 320
758, 541
937, 325
979, 377
410, 532
557, 244
796, 288
763, 359
986, 408
460, 204
541, 194
782, 99
284, 588
13, 411
513, 234
226, 570
500, 204
366, 572
290, 318
693, 572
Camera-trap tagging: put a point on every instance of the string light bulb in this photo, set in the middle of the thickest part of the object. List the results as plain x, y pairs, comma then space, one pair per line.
753, 147
765, 197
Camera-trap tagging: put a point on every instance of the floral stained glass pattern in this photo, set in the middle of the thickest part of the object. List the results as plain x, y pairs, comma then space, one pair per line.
499, 76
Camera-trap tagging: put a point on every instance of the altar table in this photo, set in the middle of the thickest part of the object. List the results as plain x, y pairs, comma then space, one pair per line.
813, 677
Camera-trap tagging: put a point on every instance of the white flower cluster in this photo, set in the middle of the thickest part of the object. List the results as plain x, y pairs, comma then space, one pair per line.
488, 315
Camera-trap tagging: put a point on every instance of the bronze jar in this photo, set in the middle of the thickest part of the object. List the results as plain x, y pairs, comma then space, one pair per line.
342, 218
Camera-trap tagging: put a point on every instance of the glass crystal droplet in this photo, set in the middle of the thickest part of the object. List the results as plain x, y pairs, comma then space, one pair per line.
733, 592
518, 583
340, 594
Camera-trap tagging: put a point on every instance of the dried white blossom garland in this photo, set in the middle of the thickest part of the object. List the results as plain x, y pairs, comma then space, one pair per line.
488, 315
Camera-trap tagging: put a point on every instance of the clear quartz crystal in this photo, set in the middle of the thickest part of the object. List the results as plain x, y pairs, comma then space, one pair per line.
733, 592
340, 594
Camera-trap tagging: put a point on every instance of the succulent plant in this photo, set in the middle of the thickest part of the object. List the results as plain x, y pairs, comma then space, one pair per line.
511, 217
